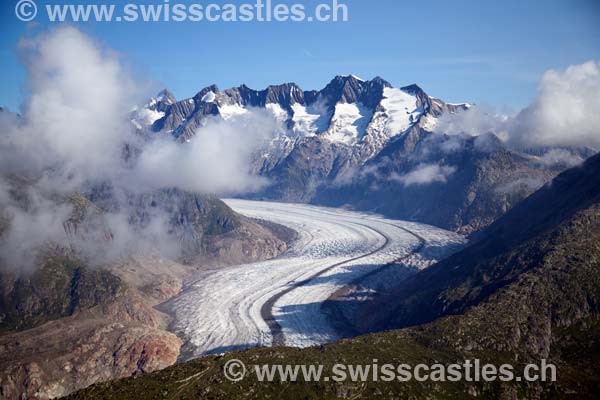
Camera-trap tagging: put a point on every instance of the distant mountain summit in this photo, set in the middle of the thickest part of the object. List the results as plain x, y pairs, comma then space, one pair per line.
347, 111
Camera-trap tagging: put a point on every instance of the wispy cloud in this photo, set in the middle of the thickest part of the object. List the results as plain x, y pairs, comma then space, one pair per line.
425, 174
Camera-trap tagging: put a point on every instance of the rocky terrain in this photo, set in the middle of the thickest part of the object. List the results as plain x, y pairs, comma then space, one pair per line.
527, 289
547, 243
66, 324
123, 335
473, 181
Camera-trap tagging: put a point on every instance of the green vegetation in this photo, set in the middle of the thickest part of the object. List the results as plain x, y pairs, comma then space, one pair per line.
60, 287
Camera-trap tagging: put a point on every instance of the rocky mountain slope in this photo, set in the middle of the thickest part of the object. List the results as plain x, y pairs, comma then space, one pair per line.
461, 184
207, 231
545, 237
369, 146
526, 290
66, 324
120, 336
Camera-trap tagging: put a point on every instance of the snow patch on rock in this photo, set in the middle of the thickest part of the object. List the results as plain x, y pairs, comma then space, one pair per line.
229, 111
401, 109
349, 123
209, 97
309, 121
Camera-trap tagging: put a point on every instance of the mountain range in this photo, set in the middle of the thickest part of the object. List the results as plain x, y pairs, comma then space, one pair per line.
358, 144
366, 145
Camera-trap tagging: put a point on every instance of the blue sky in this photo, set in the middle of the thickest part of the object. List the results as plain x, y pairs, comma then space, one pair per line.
488, 52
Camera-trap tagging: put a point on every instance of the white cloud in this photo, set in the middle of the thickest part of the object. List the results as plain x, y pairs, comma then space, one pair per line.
216, 159
564, 113
425, 174
72, 134
520, 185
76, 123
73, 120
561, 157
474, 121
32, 228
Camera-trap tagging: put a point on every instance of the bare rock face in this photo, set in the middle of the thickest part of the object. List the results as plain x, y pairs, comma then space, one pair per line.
206, 230
122, 337
98, 353
251, 241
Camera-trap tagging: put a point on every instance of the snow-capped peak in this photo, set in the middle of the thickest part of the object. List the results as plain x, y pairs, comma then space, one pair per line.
164, 96
350, 110
357, 78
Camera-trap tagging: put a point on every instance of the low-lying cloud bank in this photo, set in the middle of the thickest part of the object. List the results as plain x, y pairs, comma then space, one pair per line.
75, 132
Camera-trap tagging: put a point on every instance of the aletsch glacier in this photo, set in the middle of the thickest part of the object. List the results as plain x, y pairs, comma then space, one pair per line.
351, 141
221, 309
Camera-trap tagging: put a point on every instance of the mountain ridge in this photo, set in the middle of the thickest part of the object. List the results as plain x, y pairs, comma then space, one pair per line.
360, 143
340, 90
439, 288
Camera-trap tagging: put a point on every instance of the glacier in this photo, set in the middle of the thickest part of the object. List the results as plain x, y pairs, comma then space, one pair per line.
222, 309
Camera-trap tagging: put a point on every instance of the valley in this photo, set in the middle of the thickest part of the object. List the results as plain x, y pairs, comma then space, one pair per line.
280, 301
525, 290
399, 203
